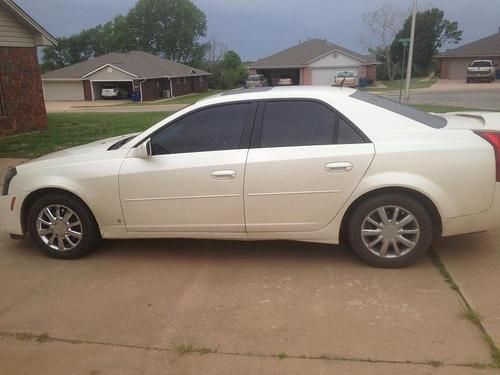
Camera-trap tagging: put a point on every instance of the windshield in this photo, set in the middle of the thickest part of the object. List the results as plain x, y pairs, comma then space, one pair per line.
254, 78
481, 64
345, 74
425, 118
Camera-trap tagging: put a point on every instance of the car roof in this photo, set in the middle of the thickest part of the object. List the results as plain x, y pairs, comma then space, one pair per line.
260, 93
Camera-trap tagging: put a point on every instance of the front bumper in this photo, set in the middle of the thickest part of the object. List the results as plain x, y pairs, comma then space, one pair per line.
486, 220
10, 219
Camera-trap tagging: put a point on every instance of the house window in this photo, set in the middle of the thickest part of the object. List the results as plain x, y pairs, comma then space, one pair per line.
185, 80
2, 107
200, 78
178, 80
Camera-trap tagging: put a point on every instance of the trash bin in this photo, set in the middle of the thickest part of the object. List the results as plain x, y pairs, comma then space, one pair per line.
136, 96
362, 82
498, 73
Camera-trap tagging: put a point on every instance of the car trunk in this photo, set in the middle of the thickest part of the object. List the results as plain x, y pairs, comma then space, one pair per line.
472, 120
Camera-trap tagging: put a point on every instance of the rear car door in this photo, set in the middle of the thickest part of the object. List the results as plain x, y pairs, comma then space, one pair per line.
194, 180
304, 162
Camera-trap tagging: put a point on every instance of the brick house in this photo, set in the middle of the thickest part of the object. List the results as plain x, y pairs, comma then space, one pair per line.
150, 75
314, 62
453, 62
21, 96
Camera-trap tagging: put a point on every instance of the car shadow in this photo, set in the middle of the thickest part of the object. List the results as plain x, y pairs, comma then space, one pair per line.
224, 250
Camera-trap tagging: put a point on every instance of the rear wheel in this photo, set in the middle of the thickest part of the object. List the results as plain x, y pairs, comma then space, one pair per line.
390, 230
62, 226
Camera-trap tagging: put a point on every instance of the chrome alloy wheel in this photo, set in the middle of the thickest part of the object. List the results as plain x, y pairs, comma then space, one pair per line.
59, 227
390, 231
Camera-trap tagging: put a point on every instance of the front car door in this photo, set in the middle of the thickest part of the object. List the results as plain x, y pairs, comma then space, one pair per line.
194, 180
304, 163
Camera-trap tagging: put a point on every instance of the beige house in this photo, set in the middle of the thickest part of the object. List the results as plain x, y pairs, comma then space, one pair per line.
21, 99
453, 62
151, 76
314, 62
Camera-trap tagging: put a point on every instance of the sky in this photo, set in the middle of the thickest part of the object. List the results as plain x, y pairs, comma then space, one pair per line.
258, 28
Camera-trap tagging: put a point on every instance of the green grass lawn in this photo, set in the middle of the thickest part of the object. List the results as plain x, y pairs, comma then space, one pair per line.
73, 129
415, 83
447, 108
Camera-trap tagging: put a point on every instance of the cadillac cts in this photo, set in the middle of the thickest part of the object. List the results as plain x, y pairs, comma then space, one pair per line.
315, 164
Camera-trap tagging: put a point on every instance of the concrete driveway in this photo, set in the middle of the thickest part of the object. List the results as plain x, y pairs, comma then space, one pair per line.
224, 307
456, 93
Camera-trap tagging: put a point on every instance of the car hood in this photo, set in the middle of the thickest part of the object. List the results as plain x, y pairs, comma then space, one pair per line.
472, 120
74, 154
97, 146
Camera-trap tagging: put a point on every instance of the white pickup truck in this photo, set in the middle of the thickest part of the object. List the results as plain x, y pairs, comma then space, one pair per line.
481, 70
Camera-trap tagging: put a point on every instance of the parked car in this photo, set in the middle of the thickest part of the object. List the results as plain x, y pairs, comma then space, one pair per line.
346, 79
302, 163
111, 91
284, 81
481, 70
255, 80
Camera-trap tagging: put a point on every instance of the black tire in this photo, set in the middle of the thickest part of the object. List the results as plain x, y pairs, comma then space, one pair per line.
90, 235
406, 202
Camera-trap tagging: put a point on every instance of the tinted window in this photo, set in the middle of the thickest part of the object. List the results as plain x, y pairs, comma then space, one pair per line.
482, 64
401, 109
297, 123
212, 129
347, 135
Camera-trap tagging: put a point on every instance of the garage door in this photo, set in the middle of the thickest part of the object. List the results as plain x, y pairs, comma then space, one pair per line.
70, 90
326, 76
457, 68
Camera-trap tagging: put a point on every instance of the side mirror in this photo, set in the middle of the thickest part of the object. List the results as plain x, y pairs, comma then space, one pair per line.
144, 150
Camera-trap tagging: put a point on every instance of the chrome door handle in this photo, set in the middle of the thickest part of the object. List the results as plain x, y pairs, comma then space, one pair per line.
224, 175
337, 167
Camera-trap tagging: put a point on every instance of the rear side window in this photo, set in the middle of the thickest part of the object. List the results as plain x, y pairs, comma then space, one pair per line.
401, 109
346, 135
211, 129
304, 123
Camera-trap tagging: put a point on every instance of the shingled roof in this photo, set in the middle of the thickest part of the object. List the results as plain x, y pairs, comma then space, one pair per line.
137, 63
304, 53
489, 46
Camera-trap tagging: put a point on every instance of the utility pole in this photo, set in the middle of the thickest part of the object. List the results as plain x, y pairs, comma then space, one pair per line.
410, 55
405, 42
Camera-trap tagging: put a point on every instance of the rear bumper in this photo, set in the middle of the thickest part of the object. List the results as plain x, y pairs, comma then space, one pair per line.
475, 223
10, 220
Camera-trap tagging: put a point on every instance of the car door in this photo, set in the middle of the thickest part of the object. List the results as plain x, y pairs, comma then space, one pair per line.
194, 179
304, 163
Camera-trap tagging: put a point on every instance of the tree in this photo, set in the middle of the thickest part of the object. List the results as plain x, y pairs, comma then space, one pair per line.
168, 28
432, 31
229, 71
383, 25
214, 53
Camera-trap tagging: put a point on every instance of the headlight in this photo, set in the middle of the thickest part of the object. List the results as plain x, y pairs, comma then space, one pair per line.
11, 172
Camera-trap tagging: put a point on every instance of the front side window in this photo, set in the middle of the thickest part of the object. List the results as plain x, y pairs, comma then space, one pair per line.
211, 129
297, 123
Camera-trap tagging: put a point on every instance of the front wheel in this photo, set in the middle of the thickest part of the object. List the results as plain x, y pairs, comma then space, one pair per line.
62, 227
390, 230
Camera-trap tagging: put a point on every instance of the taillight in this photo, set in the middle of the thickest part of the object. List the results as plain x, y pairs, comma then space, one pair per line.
493, 137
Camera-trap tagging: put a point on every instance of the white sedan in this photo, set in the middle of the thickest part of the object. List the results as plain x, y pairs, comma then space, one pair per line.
317, 164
